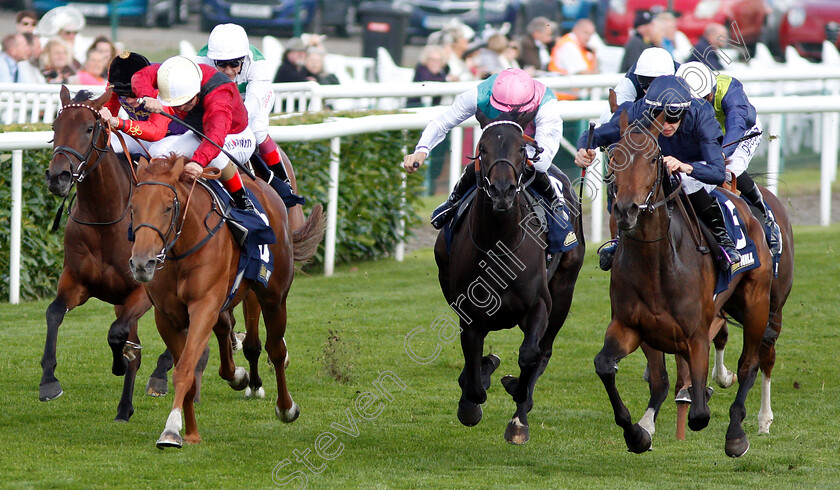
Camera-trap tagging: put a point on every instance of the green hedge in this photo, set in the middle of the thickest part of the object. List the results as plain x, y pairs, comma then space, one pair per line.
368, 212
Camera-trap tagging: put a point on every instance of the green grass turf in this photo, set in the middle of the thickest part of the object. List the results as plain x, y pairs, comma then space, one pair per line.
354, 325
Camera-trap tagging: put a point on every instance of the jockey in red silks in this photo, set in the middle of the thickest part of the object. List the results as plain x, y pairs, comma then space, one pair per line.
141, 124
208, 101
511, 91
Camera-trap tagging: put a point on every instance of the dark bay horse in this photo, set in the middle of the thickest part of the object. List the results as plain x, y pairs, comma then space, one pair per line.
190, 286
96, 246
662, 292
779, 292
494, 277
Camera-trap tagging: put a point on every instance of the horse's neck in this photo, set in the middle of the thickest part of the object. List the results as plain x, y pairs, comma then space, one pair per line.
649, 243
104, 192
489, 227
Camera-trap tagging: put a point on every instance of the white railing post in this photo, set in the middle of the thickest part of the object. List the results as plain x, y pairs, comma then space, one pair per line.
456, 138
332, 207
17, 212
828, 161
399, 253
595, 181
775, 151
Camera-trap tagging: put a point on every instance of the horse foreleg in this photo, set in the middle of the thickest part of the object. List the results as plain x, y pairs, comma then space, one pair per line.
136, 304
766, 360
133, 355
698, 366
619, 341
236, 377
70, 294
722, 376
473, 393
157, 384
658, 386
174, 338
252, 346
275, 324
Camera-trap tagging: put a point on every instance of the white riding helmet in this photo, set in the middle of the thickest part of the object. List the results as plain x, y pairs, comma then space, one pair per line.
699, 77
654, 62
228, 42
179, 80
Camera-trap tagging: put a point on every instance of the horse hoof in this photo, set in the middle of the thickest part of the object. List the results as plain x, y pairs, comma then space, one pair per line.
509, 383
469, 413
169, 439
637, 439
698, 422
50, 391
237, 345
288, 416
258, 393
735, 448
120, 366
517, 433
488, 366
240, 379
124, 415
157, 387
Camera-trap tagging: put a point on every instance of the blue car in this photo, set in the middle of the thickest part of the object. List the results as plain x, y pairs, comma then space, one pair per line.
574, 10
277, 15
428, 16
148, 13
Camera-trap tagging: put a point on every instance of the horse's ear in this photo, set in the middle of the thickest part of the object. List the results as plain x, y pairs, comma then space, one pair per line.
178, 165
622, 119
526, 118
64, 95
613, 98
99, 102
482, 119
656, 126
142, 163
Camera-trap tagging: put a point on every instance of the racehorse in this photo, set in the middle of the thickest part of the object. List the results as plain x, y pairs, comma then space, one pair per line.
96, 246
495, 277
188, 264
779, 292
662, 292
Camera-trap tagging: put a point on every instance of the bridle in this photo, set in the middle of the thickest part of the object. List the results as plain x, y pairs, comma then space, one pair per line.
484, 181
83, 170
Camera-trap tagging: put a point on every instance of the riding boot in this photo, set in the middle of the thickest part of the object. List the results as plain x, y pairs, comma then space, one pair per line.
242, 201
709, 211
753, 196
605, 254
445, 211
542, 184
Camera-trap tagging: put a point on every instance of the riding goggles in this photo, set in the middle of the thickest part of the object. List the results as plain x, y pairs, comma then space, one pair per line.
229, 63
672, 116
644, 82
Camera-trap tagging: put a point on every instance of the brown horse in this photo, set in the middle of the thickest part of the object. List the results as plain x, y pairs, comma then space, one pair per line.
779, 292
495, 278
662, 293
96, 246
197, 268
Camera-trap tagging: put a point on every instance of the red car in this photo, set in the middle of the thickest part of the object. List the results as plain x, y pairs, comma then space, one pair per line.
692, 17
807, 24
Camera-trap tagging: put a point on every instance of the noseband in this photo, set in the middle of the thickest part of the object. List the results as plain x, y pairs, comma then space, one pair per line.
484, 181
83, 170
174, 228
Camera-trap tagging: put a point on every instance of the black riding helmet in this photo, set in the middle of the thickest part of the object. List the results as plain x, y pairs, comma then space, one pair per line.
122, 69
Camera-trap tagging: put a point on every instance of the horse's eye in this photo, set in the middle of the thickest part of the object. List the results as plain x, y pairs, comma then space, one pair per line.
168, 210
90, 129
482, 149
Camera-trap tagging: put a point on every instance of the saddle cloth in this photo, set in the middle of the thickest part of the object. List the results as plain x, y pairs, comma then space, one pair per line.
556, 224
745, 245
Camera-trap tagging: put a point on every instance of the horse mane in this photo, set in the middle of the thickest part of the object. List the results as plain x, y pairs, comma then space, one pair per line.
83, 96
162, 165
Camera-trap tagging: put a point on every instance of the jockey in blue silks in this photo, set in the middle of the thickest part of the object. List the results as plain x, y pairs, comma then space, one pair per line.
652, 63
737, 119
690, 143
511, 91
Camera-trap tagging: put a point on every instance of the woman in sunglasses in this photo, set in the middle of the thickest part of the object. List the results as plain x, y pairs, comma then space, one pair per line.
511, 93
689, 141
230, 52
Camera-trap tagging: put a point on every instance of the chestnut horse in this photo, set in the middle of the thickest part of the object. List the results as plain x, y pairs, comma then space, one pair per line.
662, 292
96, 246
495, 278
188, 267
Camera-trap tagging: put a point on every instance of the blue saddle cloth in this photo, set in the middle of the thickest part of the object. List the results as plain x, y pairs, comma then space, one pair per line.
745, 245
558, 226
256, 262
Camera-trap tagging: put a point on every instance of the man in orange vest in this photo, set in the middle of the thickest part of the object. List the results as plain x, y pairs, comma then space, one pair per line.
570, 55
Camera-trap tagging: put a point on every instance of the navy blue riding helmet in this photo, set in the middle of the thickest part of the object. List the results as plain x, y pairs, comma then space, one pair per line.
669, 94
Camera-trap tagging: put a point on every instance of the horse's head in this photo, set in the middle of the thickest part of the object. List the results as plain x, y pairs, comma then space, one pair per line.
502, 160
79, 136
638, 170
155, 211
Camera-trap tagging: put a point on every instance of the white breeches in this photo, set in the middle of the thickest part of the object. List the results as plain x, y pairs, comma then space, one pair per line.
692, 185
740, 160
240, 145
131, 143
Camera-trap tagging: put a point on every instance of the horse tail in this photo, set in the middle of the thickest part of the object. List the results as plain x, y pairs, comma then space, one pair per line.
305, 239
